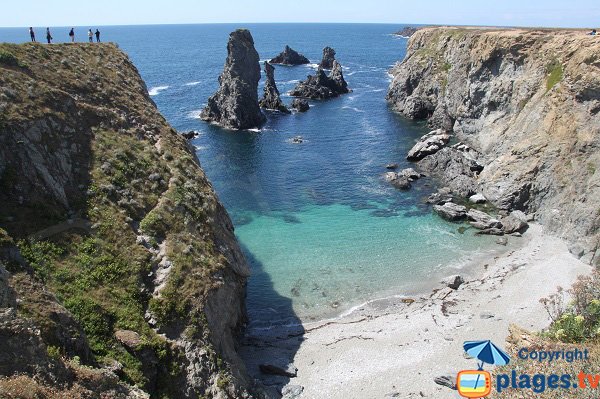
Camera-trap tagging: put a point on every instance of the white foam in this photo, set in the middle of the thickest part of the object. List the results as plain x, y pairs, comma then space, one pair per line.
200, 147
352, 108
195, 114
154, 91
193, 83
290, 81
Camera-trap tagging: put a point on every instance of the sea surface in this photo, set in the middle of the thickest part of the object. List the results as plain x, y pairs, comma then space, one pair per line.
321, 230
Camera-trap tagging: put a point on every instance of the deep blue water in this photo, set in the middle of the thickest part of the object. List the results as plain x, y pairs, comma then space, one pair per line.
322, 230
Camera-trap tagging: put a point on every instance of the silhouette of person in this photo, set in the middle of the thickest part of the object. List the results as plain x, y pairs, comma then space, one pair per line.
48, 36
97, 36
72, 35
32, 34
90, 36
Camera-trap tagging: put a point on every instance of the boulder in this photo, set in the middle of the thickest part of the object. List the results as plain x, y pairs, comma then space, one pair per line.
451, 211
410, 173
189, 135
320, 86
453, 281
300, 105
491, 231
288, 370
429, 144
481, 220
289, 56
328, 58
446, 381
477, 198
271, 99
512, 224
235, 104
391, 166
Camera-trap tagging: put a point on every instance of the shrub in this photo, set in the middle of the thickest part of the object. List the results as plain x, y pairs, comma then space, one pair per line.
41, 255
554, 71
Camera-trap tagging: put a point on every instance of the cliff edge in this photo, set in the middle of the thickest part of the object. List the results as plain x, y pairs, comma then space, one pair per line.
118, 265
528, 100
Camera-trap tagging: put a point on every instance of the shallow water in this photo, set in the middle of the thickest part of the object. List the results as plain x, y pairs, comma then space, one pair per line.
321, 229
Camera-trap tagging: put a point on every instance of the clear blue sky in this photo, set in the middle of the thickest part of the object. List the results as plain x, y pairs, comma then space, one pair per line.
573, 13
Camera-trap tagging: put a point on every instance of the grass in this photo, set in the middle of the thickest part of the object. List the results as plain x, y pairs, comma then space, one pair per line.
554, 72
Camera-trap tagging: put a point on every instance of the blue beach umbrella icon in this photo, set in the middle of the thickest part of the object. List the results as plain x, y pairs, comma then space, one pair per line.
486, 352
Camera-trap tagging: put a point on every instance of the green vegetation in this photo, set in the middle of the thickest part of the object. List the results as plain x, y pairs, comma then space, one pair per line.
9, 59
554, 71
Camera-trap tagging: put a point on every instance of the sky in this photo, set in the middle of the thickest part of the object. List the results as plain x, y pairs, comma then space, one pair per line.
551, 13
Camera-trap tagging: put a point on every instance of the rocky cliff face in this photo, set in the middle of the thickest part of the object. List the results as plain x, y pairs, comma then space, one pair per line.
271, 99
114, 249
529, 102
235, 104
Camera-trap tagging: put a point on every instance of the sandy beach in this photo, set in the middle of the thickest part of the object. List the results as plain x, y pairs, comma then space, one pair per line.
395, 347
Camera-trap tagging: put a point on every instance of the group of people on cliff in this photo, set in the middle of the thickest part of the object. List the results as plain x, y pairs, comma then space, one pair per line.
49, 37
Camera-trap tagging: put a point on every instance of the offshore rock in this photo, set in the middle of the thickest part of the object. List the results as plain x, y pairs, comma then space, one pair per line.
235, 104
328, 58
451, 211
321, 86
289, 56
300, 105
271, 99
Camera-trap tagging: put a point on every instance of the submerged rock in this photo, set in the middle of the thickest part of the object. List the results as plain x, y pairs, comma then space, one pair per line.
300, 105
235, 104
271, 99
289, 56
429, 144
320, 86
391, 166
397, 180
328, 58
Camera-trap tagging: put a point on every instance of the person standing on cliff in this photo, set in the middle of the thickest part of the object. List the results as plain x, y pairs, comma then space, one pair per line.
90, 36
48, 36
32, 34
97, 36
72, 35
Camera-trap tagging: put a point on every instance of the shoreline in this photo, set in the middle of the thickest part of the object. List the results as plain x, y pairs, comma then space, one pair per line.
397, 346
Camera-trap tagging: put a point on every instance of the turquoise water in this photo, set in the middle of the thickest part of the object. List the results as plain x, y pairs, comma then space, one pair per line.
320, 228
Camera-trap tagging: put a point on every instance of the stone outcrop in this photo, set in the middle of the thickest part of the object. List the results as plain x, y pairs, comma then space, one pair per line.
407, 31
429, 144
528, 101
289, 56
235, 104
131, 233
300, 104
271, 99
451, 211
321, 86
328, 58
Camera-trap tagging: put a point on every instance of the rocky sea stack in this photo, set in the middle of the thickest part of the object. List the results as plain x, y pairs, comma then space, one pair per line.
328, 58
289, 56
321, 86
530, 130
271, 99
235, 104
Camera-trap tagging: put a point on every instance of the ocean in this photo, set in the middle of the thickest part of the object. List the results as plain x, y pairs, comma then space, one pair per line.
322, 231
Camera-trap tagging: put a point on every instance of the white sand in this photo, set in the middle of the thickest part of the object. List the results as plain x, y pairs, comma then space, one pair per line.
390, 347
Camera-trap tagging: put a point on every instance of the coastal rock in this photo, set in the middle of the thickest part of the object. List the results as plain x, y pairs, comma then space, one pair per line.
512, 224
271, 99
288, 370
481, 220
391, 166
453, 281
397, 180
477, 198
235, 104
502, 241
321, 86
494, 231
457, 166
493, 89
410, 173
328, 58
289, 56
292, 391
429, 144
406, 32
446, 381
190, 135
300, 104
451, 211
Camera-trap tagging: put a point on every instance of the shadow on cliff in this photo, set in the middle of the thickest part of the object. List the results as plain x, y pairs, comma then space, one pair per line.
270, 344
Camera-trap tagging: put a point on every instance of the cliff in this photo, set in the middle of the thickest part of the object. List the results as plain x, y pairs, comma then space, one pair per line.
118, 265
528, 102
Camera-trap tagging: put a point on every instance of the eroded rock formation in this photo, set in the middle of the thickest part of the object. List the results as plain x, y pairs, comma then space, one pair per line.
328, 58
271, 99
321, 86
289, 56
235, 104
